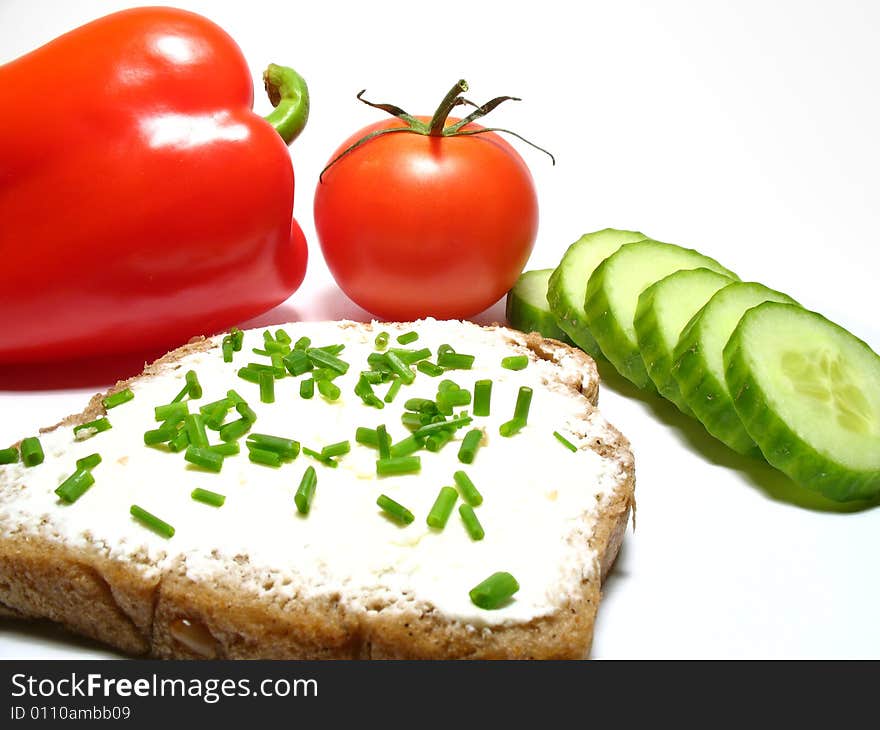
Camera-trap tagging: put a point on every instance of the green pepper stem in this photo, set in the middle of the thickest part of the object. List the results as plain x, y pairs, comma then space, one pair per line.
289, 95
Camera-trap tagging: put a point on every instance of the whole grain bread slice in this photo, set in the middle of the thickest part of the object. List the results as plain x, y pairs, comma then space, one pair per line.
169, 614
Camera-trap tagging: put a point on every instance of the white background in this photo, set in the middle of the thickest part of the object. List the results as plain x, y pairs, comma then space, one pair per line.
748, 130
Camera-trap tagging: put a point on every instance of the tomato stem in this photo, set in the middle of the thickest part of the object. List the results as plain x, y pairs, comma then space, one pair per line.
450, 101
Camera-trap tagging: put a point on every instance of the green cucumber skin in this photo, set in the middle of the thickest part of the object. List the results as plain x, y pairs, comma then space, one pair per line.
781, 446
657, 364
570, 313
530, 317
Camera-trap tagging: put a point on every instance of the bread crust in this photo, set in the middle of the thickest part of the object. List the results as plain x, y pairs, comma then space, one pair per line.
172, 616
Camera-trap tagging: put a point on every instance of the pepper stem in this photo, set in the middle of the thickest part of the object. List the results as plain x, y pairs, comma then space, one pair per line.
450, 101
289, 95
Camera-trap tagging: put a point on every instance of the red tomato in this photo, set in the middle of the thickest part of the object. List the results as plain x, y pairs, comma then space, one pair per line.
413, 225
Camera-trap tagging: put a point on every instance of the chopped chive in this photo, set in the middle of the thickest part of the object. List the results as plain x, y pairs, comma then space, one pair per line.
302, 343
429, 368
259, 367
228, 448
328, 374
494, 592
332, 349
393, 389
31, 451
249, 374
306, 490
277, 348
439, 514
381, 340
326, 460
88, 462
405, 447
214, 417
174, 412
408, 337
515, 362
511, 427
209, 409
564, 441
75, 486
204, 458
235, 429
227, 347
421, 405
286, 448
118, 398
192, 382
482, 397
297, 362
278, 365
377, 361
384, 442
451, 425
179, 442
448, 399
194, 424
400, 368
259, 351
327, 389
337, 449
8, 456
325, 359
409, 357
234, 397
246, 412
208, 497
471, 523
267, 337
398, 465
181, 395
455, 361
366, 436
267, 387
151, 521
374, 377
523, 402
469, 492
263, 456
282, 336
364, 390
469, 445
395, 510
444, 348
307, 388
446, 384
159, 435
87, 430
438, 440
412, 421
237, 338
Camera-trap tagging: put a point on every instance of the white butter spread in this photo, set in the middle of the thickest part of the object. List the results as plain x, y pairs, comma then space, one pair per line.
540, 499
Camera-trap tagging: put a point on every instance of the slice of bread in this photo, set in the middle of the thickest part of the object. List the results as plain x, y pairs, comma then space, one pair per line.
255, 579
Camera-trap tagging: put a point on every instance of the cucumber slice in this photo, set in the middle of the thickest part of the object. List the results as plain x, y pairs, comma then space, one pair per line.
663, 311
808, 392
699, 365
613, 294
527, 307
568, 284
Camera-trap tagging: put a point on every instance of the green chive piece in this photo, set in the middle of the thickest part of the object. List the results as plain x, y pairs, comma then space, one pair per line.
32, 451
8, 456
278, 365
469, 492
448, 399
495, 591
405, 447
277, 348
400, 368
267, 387
337, 449
366, 436
565, 442
393, 390
515, 362
511, 427
208, 497
469, 445
297, 362
282, 336
408, 337
151, 521
373, 377
377, 361
471, 523
450, 425
181, 395
429, 368
327, 389
87, 430
267, 337
192, 381
194, 424
118, 398
364, 390
439, 514
229, 448
482, 397
174, 412
324, 359
438, 440
326, 460
235, 429
246, 412
179, 442
302, 343
234, 397
260, 351
88, 462
249, 374
398, 465
382, 340
455, 361
420, 405
332, 349
75, 486
307, 388
264, 456
215, 413
412, 421
237, 338
395, 510
447, 385
384, 442
204, 458
227, 347
410, 357
523, 402
306, 490
286, 448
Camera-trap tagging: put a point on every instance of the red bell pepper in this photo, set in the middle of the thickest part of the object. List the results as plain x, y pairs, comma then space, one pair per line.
142, 202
